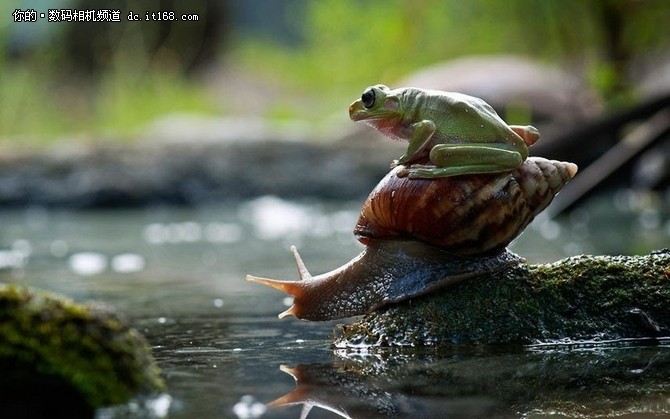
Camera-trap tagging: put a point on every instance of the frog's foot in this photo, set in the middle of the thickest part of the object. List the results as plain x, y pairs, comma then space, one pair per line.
528, 133
421, 171
404, 159
468, 159
403, 171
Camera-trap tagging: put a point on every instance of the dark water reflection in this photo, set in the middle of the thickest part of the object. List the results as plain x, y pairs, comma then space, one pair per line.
212, 363
178, 276
488, 383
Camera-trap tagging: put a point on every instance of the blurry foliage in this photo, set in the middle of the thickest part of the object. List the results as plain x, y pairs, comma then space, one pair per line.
350, 44
337, 48
127, 99
37, 105
103, 76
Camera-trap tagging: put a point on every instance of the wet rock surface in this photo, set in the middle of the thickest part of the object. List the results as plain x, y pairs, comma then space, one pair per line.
582, 298
189, 173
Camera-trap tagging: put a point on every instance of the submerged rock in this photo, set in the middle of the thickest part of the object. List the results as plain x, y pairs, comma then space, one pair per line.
578, 298
60, 356
151, 173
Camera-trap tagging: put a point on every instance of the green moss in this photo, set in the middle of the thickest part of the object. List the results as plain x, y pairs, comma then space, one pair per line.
579, 298
47, 339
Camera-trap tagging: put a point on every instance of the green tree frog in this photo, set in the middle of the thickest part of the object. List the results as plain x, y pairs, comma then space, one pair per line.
449, 133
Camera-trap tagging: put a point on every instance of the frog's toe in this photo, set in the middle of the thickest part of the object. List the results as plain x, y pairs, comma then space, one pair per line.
422, 173
403, 172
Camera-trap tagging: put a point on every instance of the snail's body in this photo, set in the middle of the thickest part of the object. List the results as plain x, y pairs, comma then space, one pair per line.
423, 234
387, 271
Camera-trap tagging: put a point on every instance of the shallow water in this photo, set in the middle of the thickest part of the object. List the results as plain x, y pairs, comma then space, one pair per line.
178, 274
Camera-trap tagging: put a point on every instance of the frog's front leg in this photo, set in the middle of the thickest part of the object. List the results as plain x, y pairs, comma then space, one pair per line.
422, 132
464, 159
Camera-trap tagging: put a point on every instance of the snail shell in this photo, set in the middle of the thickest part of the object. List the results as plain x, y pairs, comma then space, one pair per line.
424, 234
466, 215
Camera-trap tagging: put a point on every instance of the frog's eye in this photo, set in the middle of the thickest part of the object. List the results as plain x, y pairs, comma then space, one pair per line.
368, 98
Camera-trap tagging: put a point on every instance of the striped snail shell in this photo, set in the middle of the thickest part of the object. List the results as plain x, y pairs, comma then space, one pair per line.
466, 215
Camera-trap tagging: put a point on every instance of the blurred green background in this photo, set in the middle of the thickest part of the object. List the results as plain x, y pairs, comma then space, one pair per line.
294, 59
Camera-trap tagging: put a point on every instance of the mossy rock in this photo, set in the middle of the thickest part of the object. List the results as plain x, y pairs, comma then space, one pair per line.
578, 298
78, 356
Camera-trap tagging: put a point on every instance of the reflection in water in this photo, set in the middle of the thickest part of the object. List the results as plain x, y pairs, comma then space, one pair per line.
341, 391
569, 381
144, 407
249, 408
127, 263
276, 219
16, 257
309, 394
88, 263
93, 263
192, 232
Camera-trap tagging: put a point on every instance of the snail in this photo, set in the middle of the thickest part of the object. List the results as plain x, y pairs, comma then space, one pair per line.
463, 190
424, 234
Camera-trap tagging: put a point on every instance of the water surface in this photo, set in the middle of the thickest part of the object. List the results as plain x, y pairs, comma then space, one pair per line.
178, 275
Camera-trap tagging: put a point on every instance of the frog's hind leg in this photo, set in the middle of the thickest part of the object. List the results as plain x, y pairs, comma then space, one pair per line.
464, 159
